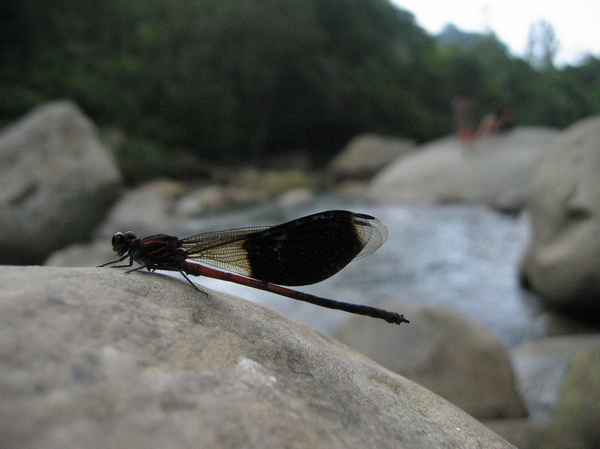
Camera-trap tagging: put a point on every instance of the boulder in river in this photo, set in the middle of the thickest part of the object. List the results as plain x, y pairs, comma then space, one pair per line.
495, 171
562, 261
57, 181
366, 154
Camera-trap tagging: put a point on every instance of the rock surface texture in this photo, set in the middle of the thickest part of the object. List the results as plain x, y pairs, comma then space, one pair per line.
94, 358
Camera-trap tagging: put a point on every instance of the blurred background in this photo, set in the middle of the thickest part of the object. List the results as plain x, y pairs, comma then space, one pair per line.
469, 128
230, 81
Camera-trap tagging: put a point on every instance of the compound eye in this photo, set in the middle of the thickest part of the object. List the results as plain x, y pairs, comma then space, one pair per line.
120, 241
130, 236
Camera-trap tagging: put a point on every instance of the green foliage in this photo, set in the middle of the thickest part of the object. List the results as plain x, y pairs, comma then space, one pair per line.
240, 79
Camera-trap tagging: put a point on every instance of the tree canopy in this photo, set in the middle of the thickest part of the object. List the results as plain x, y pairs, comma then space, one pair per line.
237, 79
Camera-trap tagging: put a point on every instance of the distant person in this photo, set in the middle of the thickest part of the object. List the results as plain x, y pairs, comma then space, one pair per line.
499, 120
464, 118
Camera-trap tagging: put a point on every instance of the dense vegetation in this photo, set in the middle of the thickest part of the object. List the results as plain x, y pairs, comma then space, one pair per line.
238, 79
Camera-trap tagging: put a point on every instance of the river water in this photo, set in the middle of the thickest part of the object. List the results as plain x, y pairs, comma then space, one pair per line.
463, 257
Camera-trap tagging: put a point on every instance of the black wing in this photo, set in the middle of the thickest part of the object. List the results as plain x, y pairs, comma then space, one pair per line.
300, 252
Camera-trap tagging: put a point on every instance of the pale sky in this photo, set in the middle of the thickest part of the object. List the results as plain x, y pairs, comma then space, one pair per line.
576, 22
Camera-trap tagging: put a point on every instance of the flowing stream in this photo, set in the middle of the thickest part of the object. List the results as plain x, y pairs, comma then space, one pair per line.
463, 257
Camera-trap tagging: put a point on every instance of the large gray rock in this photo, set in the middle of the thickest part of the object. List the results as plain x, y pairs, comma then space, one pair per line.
56, 182
146, 209
496, 171
562, 262
445, 352
94, 358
